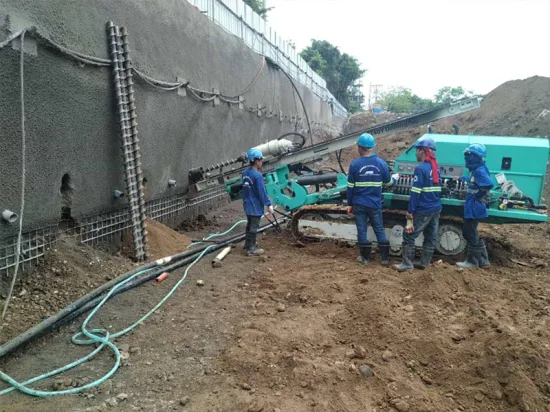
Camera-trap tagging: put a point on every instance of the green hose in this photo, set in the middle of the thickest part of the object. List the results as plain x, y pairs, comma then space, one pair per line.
94, 336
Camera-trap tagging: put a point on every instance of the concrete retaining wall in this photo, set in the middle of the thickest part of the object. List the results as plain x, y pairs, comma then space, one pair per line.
71, 122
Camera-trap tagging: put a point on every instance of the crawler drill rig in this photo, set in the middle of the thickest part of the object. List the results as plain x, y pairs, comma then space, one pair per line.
317, 198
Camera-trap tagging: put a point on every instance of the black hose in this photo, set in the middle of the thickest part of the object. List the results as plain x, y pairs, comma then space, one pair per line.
299, 96
47, 323
91, 300
339, 158
294, 134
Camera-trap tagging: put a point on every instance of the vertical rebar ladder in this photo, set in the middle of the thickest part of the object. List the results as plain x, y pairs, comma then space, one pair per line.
124, 93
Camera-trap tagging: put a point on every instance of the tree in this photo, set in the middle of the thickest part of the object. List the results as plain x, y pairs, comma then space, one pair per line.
341, 71
401, 100
258, 7
451, 94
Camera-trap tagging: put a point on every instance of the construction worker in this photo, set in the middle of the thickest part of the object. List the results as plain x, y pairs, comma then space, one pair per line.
475, 207
255, 200
424, 207
366, 176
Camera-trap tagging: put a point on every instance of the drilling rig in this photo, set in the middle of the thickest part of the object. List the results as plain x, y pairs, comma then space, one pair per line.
316, 199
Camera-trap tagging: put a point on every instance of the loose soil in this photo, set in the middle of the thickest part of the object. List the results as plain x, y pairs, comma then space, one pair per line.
303, 329
161, 241
292, 331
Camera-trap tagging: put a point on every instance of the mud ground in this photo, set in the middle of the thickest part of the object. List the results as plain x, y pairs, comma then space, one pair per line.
299, 328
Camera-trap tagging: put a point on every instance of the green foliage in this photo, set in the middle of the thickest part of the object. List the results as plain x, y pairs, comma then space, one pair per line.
341, 71
451, 94
257, 6
401, 100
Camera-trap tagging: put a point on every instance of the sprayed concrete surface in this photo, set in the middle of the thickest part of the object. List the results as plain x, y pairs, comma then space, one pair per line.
71, 123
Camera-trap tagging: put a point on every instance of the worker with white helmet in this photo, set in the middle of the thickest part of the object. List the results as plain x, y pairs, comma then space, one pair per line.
424, 207
366, 176
475, 206
255, 200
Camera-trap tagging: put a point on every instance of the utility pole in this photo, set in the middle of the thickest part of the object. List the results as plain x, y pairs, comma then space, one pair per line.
374, 94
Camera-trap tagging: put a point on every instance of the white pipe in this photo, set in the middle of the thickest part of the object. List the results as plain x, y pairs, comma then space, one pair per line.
217, 262
9, 216
223, 253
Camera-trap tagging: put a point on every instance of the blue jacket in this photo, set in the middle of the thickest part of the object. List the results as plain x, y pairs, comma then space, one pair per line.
480, 183
425, 196
365, 179
255, 197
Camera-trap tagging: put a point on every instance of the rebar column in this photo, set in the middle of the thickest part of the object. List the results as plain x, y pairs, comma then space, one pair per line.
128, 137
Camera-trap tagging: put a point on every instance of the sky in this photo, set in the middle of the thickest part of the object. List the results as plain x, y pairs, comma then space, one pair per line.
426, 44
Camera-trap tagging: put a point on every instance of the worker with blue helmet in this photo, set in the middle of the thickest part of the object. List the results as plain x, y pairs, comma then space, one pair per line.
366, 176
475, 206
255, 200
424, 207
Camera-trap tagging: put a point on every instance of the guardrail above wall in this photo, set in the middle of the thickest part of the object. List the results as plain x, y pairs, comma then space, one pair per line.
239, 19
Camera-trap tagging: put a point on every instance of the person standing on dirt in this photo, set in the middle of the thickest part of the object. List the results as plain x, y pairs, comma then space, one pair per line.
424, 207
366, 176
475, 207
255, 200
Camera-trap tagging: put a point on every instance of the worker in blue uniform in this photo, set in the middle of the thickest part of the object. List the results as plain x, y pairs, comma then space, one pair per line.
366, 176
475, 206
424, 207
255, 200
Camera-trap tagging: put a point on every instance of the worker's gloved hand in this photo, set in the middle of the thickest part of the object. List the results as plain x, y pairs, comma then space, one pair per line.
395, 176
350, 210
270, 209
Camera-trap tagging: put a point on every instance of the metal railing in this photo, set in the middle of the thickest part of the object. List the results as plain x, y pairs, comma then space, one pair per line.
239, 19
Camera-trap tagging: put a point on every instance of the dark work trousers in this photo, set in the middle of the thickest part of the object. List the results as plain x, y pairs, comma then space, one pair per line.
252, 226
469, 231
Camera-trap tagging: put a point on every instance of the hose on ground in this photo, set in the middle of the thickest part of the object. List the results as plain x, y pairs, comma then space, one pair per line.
103, 337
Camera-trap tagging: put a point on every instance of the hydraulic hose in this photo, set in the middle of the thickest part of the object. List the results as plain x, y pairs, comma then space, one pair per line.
88, 301
294, 134
299, 96
103, 337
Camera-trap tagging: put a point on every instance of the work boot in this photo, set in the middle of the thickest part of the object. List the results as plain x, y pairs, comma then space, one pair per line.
408, 257
483, 255
255, 251
472, 261
384, 253
365, 250
425, 258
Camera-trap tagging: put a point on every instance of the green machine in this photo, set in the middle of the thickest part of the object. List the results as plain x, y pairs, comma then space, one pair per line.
316, 198
517, 166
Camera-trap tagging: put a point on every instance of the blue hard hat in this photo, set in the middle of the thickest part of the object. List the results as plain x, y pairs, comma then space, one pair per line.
477, 149
366, 140
254, 154
427, 142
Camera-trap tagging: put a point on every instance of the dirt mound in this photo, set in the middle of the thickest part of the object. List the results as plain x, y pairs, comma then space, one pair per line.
68, 271
161, 241
515, 108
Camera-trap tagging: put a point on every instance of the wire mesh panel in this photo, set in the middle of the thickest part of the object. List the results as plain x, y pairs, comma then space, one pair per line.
100, 228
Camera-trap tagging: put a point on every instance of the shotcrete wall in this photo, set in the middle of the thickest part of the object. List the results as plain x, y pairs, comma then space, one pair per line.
71, 122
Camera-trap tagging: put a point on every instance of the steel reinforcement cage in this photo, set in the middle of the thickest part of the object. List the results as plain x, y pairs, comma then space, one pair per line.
104, 227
